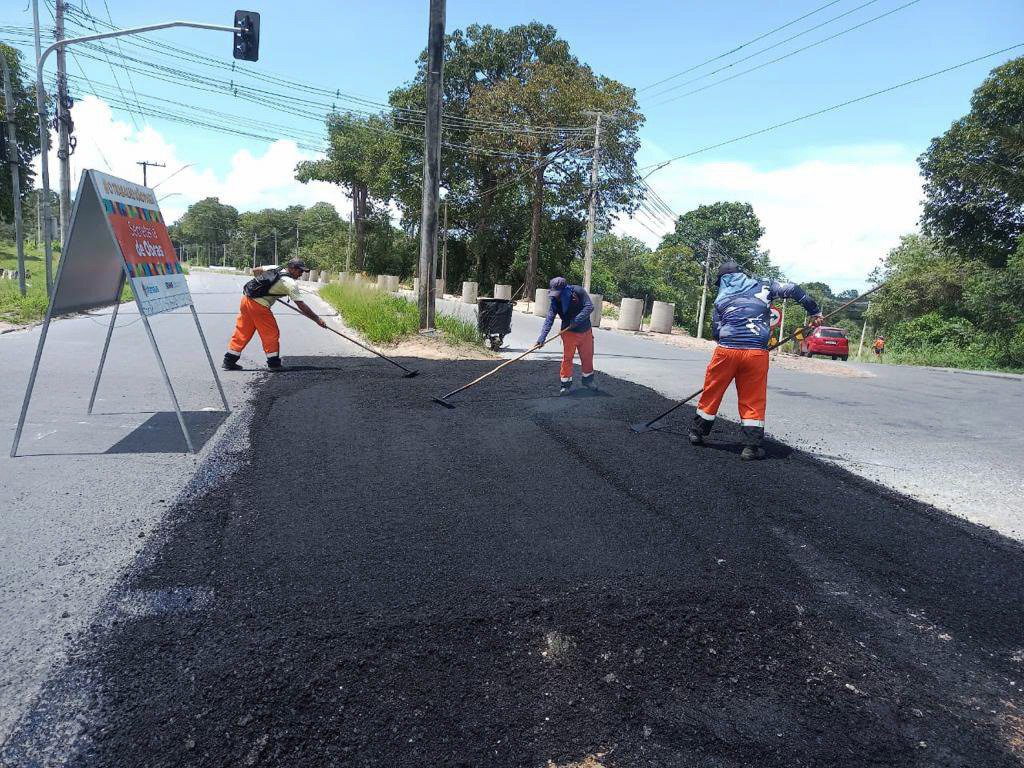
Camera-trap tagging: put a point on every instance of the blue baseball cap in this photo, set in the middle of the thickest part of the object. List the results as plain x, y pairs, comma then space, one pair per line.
556, 286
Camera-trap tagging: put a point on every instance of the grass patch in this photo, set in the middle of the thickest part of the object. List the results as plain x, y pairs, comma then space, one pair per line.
385, 319
939, 356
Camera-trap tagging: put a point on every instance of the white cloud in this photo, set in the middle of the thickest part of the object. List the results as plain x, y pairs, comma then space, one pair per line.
252, 182
830, 218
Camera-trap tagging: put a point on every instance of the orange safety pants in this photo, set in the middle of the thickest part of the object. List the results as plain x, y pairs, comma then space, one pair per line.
254, 317
573, 342
749, 369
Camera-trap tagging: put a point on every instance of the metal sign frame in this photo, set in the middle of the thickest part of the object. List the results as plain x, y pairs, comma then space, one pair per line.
93, 255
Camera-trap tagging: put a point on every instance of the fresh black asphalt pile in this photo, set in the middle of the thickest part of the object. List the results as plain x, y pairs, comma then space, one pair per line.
524, 580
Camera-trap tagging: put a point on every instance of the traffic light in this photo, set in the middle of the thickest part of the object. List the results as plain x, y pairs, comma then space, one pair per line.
247, 35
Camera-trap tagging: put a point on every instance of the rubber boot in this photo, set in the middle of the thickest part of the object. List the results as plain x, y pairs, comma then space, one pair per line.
231, 362
699, 429
565, 387
588, 381
753, 437
274, 363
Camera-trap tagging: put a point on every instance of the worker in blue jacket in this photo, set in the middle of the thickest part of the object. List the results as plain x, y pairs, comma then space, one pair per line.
741, 322
573, 305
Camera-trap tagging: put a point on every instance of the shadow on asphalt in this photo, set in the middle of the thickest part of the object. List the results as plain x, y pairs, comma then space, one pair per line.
161, 433
523, 580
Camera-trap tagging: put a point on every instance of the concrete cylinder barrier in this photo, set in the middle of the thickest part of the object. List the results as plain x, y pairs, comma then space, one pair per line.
325, 276
470, 289
416, 285
503, 291
394, 283
343, 277
312, 276
662, 315
382, 282
631, 313
541, 302
595, 316
439, 288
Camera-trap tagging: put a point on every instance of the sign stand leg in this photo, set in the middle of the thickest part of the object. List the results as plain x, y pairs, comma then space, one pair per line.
209, 357
32, 378
167, 381
106, 346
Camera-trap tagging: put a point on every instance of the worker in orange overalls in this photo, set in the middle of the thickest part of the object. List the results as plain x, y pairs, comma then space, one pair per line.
879, 346
741, 323
573, 305
255, 315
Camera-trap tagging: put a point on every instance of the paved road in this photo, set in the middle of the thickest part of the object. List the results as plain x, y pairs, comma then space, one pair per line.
85, 499
953, 439
88, 490
516, 583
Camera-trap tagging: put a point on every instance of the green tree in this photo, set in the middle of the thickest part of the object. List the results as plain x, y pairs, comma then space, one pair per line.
974, 172
25, 120
365, 155
735, 229
209, 224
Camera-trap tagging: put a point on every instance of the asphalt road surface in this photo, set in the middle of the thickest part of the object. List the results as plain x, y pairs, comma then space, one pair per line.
89, 491
383, 582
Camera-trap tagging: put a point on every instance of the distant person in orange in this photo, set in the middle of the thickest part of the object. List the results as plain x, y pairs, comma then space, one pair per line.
255, 315
879, 346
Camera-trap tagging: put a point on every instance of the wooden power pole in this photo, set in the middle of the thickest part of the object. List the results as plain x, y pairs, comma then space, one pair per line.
431, 163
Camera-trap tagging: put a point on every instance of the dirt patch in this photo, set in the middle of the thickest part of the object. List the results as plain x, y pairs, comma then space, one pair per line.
436, 349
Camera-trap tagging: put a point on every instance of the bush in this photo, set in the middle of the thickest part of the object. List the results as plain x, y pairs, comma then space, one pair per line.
385, 319
932, 330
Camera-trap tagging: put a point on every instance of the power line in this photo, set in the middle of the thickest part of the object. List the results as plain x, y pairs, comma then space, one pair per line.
658, 166
780, 58
757, 53
741, 46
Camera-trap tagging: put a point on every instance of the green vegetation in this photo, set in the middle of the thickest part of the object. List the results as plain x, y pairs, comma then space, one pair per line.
385, 319
955, 294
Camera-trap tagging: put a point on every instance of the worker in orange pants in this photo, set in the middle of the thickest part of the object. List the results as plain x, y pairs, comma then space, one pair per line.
741, 323
571, 304
255, 315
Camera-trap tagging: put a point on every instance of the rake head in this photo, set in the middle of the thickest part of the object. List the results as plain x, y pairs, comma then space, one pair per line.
410, 374
644, 426
445, 403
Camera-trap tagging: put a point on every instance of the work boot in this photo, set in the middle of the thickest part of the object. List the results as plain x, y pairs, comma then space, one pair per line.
566, 386
699, 429
274, 363
231, 362
588, 381
753, 437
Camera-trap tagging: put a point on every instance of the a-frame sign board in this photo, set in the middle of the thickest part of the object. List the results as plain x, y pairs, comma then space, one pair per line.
117, 232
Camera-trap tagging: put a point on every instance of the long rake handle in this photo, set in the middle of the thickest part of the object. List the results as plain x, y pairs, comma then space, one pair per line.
349, 338
498, 368
791, 336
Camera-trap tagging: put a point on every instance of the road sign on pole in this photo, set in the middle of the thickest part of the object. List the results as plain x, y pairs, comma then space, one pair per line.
776, 316
117, 233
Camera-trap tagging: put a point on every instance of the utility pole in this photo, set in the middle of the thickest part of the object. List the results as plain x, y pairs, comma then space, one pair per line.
44, 166
444, 246
431, 163
348, 249
145, 165
704, 293
588, 254
14, 160
224, 254
782, 325
863, 330
254, 241
63, 126
275, 245
296, 239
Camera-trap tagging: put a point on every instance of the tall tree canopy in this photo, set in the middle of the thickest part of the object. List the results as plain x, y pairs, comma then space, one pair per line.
518, 125
25, 121
365, 155
735, 229
974, 172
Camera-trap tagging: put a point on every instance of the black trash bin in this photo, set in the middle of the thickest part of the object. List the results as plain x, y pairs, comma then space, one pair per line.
494, 320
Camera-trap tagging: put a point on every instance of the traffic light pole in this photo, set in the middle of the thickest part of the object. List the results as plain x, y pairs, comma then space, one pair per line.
44, 165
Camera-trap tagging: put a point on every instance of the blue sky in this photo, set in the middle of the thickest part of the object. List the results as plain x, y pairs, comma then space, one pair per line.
368, 48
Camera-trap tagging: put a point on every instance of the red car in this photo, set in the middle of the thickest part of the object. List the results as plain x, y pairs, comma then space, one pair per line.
826, 341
